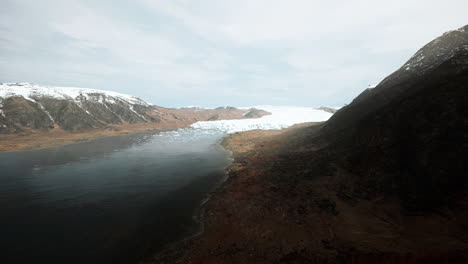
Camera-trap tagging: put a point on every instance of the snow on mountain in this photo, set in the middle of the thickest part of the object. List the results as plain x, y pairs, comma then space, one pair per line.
31, 106
92, 108
281, 117
437, 51
30, 91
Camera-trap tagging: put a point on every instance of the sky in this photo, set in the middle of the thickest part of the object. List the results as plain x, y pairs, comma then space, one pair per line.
214, 53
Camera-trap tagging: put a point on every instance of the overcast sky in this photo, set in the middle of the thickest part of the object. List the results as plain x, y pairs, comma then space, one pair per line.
218, 52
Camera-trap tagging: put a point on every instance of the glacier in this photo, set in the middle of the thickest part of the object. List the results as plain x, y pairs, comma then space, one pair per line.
281, 117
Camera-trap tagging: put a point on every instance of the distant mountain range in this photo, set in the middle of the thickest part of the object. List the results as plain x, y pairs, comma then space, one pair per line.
27, 107
34, 116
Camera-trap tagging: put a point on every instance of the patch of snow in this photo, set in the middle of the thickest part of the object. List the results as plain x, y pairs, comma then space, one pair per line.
28, 90
110, 100
47, 113
107, 107
281, 117
89, 114
420, 58
133, 110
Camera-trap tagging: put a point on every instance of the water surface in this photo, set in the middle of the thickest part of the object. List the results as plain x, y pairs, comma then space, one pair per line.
110, 200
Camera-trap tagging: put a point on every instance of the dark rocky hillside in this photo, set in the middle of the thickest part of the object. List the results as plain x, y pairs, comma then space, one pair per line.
408, 135
403, 82
383, 181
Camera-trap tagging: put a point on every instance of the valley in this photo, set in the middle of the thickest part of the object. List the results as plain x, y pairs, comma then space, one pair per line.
34, 116
382, 181
347, 142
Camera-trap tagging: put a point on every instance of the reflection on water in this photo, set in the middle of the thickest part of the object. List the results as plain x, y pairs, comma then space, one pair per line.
110, 200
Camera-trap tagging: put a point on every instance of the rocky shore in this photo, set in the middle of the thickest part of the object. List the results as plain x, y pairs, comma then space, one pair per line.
221, 214
280, 205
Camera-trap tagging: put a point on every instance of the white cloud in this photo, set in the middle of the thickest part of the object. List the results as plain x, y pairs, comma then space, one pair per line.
93, 30
250, 22
286, 51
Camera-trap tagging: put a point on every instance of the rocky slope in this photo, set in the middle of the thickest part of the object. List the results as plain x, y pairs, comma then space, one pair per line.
383, 181
36, 112
412, 126
404, 81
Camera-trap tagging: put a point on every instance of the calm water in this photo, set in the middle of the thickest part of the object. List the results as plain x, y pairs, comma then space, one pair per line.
111, 200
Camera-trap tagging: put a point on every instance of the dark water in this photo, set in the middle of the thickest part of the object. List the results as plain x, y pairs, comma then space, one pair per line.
111, 200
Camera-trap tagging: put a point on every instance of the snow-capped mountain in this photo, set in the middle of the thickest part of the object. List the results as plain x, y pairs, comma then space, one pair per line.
30, 91
26, 106
43, 107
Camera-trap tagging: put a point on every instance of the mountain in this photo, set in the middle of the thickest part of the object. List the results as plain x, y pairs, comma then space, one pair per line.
31, 110
31, 106
411, 126
402, 82
382, 181
255, 113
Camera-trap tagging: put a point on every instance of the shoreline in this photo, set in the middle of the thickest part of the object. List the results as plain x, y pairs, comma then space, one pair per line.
28, 139
198, 215
176, 250
262, 213
58, 137
85, 139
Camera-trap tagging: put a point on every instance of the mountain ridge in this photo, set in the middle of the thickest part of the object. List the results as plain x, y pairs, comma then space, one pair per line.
421, 64
382, 181
25, 106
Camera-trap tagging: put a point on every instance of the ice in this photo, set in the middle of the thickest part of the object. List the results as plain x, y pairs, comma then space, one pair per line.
1, 110
281, 117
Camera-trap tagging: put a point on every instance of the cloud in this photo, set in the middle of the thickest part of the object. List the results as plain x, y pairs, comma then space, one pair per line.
173, 52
